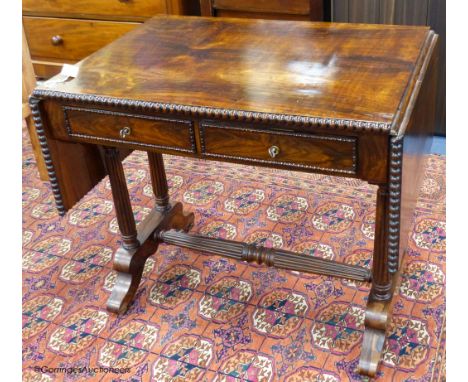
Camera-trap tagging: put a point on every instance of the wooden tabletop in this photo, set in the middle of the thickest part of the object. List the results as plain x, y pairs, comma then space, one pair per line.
342, 71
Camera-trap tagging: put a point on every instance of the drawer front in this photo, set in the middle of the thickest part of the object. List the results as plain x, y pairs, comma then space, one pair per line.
67, 39
107, 127
109, 8
299, 7
302, 151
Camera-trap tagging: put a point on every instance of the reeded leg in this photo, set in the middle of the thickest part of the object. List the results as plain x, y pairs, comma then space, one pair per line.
123, 207
130, 259
378, 306
158, 181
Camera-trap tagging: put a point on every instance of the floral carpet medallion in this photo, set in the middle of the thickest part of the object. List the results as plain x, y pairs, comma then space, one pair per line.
220, 229
30, 194
200, 317
78, 332
430, 234
368, 225
203, 192
311, 374
422, 281
287, 208
175, 286
407, 343
246, 365
55, 245
44, 210
333, 217
337, 327
90, 212
86, 264
225, 299
30, 375
265, 239
185, 359
36, 262
27, 237
128, 345
38, 314
244, 201
315, 248
280, 313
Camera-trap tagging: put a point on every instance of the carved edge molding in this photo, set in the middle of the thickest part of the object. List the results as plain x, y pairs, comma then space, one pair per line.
36, 114
209, 112
72, 134
287, 164
395, 179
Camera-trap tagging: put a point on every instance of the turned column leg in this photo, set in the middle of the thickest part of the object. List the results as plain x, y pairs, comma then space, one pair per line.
129, 266
378, 306
123, 207
129, 260
381, 279
159, 181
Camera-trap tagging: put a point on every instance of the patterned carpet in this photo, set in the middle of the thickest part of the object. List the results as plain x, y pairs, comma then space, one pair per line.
199, 317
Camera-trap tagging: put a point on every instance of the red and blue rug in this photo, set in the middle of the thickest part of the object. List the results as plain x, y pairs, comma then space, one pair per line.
199, 317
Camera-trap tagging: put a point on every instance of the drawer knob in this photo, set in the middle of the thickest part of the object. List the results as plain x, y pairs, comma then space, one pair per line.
274, 151
125, 132
56, 40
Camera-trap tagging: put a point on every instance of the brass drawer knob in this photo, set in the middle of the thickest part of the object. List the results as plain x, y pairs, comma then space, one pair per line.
125, 132
274, 151
56, 40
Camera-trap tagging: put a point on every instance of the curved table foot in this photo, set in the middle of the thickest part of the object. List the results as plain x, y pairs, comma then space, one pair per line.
377, 317
129, 263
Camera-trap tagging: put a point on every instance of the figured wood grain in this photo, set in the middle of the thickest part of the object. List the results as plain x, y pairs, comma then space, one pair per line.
327, 73
102, 126
80, 37
235, 110
322, 152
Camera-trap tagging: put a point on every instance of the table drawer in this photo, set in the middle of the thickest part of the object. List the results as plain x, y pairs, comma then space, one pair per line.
109, 8
300, 7
106, 127
68, 39
303, 151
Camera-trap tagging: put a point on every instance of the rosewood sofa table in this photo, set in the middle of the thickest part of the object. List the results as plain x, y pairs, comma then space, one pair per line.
350, 100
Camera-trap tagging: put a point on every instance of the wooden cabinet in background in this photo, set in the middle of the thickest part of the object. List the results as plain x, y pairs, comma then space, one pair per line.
66, 31
264, 9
